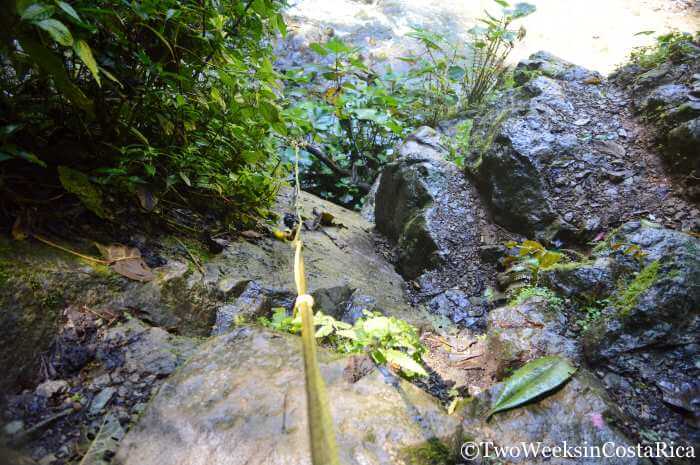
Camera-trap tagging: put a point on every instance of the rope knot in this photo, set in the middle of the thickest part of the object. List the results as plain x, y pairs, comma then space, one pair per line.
304, 299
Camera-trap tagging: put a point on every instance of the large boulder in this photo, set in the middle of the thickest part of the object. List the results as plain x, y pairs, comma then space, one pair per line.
557, 157
425, 206
649, 332
657, 309
240, 399
579, 414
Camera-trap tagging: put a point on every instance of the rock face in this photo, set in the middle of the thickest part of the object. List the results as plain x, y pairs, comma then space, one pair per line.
653, 325
424, 205
580, 413
519, 333
342, 266
667, 95
558, 158
241, 399
585, 281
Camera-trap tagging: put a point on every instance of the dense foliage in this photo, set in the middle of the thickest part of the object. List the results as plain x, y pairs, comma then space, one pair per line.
156, 96
352, 114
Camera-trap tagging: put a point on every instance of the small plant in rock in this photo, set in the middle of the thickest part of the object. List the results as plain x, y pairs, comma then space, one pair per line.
531, 257
554, 302
675, 46
459, 145
592, 313
387, 340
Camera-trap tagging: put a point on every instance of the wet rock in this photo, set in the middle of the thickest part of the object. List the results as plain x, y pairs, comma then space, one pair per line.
585, 281
253, 303
100, 401
519, 333
660, 305
580, 413
508, 161
551, 66
458, 306
143, 350
649, 332
405, 199
357, 306
663, 97
51, 388
683, 146
543, 152
343, 259
435, 218
216, 402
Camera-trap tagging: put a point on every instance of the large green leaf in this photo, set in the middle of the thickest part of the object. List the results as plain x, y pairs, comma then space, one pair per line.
83, 50
533, 379
79, 184
70, 11
37, 12
50, 64
58, 31
404, 361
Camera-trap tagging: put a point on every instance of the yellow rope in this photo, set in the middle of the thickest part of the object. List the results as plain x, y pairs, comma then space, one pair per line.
324, 450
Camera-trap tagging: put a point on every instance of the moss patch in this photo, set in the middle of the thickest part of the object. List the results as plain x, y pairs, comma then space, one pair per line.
554, 303
432, 452
644, 280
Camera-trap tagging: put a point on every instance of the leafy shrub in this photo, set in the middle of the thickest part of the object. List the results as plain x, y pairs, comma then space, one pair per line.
162, 95
447, 79
353, 115
387, 340
675, 46
350, 115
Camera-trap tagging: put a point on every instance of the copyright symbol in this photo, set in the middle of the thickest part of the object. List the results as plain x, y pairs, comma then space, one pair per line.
470, 450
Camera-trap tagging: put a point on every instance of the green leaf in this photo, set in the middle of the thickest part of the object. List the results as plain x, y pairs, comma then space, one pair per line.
535, 378
186, 179
323, 331
50, 64
37, 12
69, 11
12, 151
456, 73
83, 50
58, 31
110, 76
79, 184
404, 362
318, 48
521, 9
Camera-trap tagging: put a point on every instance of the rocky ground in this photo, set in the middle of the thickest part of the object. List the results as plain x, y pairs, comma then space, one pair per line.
176, 370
